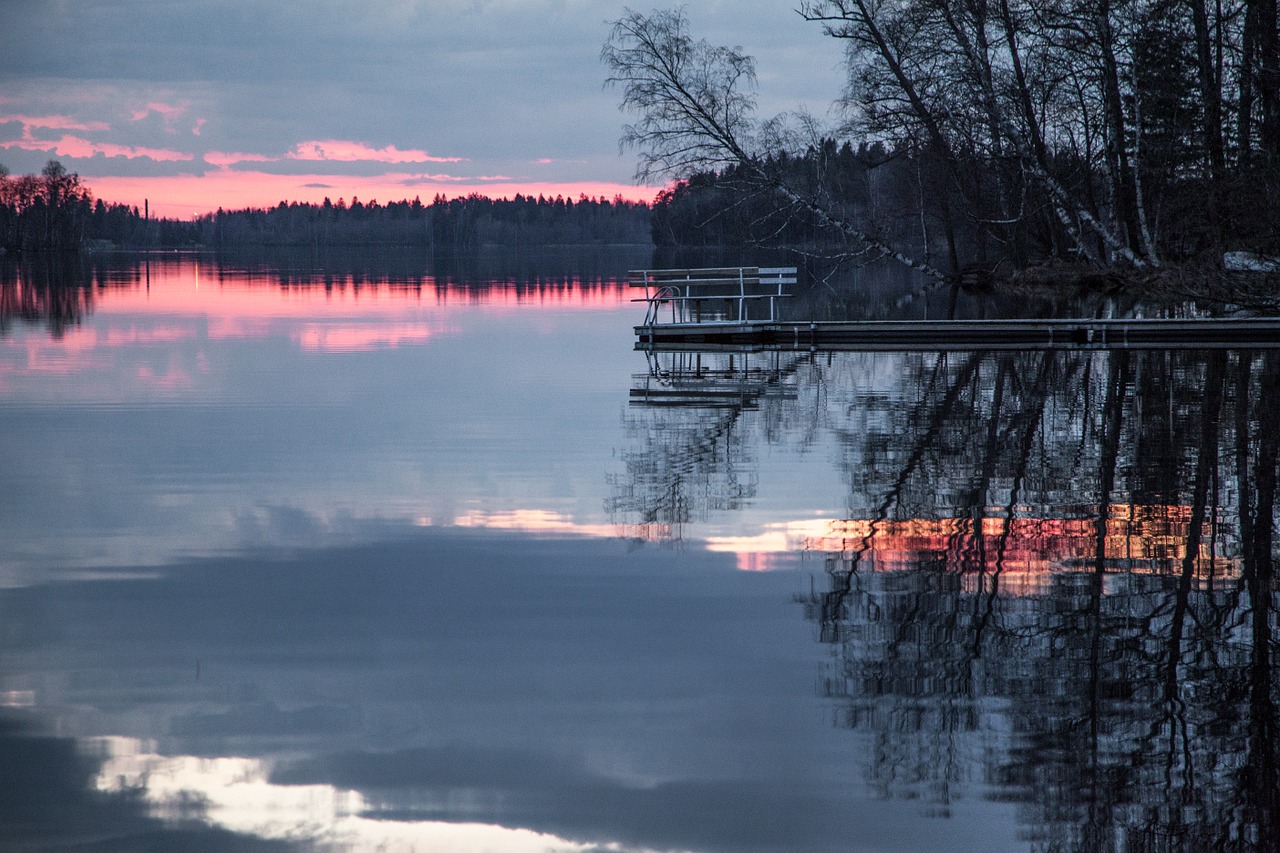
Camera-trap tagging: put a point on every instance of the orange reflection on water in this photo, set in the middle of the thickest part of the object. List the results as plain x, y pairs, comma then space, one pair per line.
528, 521
1026, 551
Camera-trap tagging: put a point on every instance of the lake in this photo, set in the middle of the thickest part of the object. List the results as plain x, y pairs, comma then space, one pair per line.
401, 553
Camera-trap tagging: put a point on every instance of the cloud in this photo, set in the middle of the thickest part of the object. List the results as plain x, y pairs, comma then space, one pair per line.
350, 152
419, 180
76, 146
53, 122
169, 112
223, 159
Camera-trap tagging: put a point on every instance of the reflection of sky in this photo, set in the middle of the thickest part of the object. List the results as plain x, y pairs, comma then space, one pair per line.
566, 687
211, 410
454, 647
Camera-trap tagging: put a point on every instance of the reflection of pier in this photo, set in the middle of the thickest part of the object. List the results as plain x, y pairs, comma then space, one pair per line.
738, 381
1197, 334
691, 457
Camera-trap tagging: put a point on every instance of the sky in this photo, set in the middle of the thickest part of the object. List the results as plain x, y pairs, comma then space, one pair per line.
199, 104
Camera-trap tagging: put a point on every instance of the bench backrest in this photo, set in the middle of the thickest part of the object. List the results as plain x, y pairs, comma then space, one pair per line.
714, 277
687, 292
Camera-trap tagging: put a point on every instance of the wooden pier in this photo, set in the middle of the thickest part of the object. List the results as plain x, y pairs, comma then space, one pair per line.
711, 310
1258, 333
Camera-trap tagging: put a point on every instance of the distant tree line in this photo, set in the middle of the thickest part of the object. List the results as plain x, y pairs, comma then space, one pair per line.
44, 211
55, 210
460, 223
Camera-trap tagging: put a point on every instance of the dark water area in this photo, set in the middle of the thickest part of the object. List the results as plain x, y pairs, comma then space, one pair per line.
417, 556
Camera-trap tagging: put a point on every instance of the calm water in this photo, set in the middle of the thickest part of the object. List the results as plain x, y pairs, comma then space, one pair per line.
412, 556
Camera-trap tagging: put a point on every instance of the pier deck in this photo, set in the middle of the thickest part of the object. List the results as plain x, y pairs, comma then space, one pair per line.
1261, 333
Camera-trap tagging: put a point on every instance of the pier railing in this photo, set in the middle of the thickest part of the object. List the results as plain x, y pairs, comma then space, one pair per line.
714, 294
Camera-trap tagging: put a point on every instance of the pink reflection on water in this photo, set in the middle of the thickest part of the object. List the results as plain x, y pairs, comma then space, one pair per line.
135, 336
111, 328
74, 352
173, 378
319, 337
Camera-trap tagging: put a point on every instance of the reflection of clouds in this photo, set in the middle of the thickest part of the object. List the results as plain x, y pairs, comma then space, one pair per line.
135, 335
83, 349
326, 337
172, 378
762, 551
237, 794
567, 686
46, 356
231, 327
528, 521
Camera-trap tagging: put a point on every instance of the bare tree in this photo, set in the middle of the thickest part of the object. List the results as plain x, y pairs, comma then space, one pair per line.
695, 105
1086, 130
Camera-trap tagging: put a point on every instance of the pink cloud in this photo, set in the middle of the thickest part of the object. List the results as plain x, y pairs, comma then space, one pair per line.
543, 161
168, 112
419, 180
199, 126
75, 146
53, 123
222, 159
349, 152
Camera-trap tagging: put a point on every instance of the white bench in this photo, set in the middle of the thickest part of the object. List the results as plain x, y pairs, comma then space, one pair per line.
688, 291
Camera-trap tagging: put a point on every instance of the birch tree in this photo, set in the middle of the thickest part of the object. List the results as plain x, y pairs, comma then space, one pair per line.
695, 110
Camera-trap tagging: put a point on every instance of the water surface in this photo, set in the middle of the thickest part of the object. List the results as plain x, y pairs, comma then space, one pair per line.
329, 555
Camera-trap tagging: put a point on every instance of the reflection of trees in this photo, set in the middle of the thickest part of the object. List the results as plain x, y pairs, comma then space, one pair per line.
687, 414
1055, 584
1128, 701
528, 271
695, 418
55, 290
59, 290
